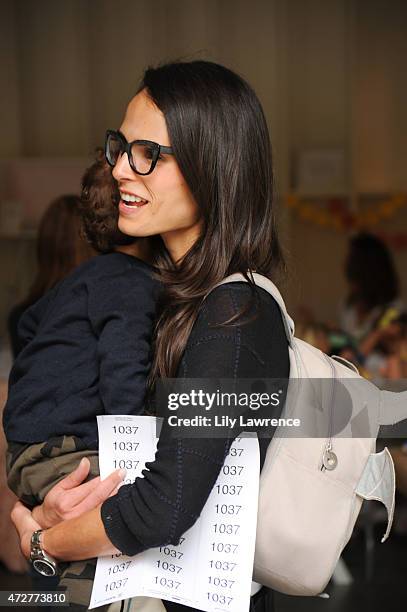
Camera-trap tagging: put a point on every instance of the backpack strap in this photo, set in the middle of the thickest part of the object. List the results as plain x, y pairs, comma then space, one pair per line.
269, 286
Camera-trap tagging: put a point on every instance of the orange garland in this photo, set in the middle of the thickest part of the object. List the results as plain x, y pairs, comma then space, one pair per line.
341, 219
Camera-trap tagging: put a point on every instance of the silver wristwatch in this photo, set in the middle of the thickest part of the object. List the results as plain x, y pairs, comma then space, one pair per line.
42, 562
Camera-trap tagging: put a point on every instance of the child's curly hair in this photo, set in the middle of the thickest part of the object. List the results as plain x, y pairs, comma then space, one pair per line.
99, 207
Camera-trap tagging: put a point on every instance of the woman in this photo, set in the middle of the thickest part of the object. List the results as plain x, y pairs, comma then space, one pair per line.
204, 185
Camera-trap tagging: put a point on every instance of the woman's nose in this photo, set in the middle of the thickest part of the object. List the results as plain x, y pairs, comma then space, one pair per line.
122, 169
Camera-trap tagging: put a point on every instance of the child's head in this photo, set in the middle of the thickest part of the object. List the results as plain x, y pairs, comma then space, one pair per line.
99, 200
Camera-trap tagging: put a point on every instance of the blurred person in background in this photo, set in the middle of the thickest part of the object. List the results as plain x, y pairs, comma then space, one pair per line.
373, 307
61, 247
372, 325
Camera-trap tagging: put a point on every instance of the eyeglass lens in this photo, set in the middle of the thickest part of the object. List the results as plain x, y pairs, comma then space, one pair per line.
142, 154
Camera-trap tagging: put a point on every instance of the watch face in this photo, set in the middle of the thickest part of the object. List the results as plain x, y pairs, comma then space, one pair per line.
44, 567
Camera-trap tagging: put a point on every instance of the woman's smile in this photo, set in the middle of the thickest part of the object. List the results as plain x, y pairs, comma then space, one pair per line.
130, 209
132, 199
131, 203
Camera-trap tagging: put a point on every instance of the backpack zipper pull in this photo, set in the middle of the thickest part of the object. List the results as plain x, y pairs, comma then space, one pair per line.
329, 459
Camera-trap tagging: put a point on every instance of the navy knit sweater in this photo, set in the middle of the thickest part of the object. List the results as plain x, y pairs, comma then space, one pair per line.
86, 351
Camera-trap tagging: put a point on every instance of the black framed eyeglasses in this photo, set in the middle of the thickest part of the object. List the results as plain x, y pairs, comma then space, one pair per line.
142, 154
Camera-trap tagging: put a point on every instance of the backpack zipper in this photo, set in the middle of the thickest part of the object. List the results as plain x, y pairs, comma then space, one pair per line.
329, 459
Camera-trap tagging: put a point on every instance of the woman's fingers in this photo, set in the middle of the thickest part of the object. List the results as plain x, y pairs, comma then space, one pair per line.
71, 497
76, 477
114, 492
58, 501
76, 495
98, 495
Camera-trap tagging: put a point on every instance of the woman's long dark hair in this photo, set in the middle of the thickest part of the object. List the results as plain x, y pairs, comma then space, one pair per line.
220, 139
370, 270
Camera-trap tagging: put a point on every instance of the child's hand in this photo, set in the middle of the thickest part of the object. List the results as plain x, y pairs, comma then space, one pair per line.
69, 498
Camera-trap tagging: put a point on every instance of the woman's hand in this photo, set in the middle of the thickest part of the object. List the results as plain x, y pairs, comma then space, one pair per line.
25, 525
69, 498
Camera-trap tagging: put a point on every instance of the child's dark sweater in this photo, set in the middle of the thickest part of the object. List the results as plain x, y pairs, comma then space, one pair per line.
87, 351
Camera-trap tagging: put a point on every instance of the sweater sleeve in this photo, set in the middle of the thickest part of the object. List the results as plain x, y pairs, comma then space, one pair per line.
157, 509
121, 309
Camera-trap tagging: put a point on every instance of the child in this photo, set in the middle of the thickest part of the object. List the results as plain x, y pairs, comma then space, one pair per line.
86, 351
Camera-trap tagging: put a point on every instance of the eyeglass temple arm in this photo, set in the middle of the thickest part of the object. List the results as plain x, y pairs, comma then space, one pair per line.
167, 150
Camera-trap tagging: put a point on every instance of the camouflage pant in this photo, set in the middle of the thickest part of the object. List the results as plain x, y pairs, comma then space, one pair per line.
32, 471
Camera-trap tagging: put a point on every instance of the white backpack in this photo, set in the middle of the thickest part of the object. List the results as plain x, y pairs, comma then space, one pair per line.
312, 488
